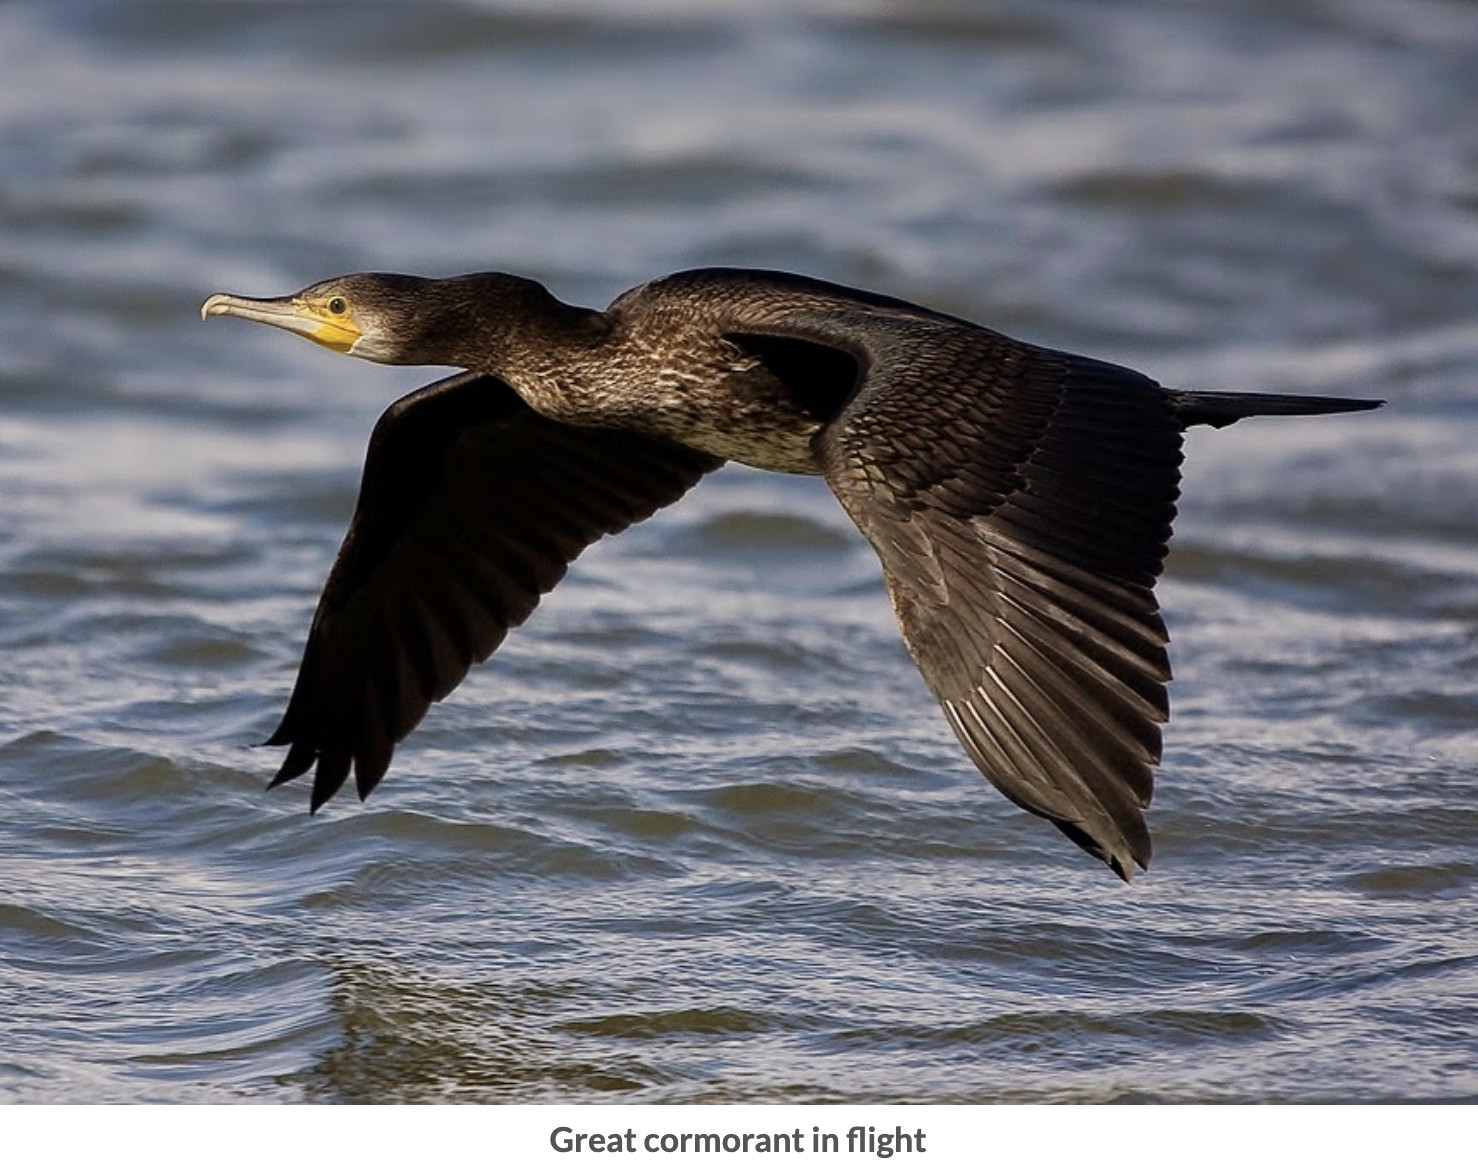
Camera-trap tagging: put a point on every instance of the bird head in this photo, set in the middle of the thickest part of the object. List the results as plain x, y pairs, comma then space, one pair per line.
368, 315
393, 318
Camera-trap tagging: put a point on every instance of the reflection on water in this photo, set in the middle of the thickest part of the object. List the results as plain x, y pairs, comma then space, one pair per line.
699, 833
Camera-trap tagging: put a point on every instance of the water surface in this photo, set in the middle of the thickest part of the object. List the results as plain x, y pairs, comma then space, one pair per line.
699, 832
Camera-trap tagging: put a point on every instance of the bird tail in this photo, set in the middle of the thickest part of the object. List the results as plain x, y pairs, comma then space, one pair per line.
1220, 408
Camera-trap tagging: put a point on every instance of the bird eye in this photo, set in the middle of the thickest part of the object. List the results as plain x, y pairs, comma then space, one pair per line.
337, 306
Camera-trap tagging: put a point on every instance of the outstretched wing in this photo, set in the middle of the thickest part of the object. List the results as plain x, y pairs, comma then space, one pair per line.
471, 506
1020, 501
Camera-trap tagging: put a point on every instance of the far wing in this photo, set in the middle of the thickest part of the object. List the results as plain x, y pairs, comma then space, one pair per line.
1020, 501
471, 506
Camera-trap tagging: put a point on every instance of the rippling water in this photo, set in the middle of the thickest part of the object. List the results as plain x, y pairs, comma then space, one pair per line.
699, 833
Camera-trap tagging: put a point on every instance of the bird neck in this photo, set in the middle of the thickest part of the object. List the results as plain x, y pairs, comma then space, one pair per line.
501, 325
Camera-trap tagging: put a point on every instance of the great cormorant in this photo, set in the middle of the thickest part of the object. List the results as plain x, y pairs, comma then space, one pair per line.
1019, 498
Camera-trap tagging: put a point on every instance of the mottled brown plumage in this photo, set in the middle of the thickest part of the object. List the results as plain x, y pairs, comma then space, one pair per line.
1020, 501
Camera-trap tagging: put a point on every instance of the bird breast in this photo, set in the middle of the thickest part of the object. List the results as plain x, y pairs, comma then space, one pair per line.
716, 399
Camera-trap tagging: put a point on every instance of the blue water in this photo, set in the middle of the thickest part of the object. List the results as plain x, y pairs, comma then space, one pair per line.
698, 832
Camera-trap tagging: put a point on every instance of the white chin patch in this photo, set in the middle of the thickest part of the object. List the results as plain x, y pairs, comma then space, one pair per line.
368, 348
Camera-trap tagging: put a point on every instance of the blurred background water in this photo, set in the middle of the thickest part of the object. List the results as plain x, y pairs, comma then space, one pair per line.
698, 832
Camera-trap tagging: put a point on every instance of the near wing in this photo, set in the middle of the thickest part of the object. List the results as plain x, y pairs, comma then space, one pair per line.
471, 506
1020, 501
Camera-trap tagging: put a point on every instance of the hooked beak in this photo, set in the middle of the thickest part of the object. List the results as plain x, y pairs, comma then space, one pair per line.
311, 320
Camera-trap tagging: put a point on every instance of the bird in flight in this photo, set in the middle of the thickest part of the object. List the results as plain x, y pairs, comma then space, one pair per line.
1019, 499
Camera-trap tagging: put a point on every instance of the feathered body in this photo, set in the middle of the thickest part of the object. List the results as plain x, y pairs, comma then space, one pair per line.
1019, 499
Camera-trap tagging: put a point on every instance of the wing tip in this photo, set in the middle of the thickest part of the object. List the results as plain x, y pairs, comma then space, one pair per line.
1126, 850
300, 759
328, 779
1125, 867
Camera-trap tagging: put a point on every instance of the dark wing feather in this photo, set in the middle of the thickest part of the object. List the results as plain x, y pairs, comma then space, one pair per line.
1020, 501
471, 506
